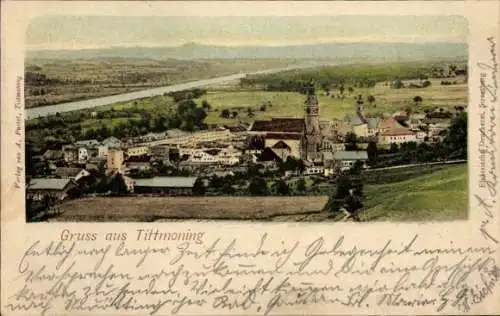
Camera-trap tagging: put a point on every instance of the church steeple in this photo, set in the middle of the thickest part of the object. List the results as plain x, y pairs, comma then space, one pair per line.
312, 132
311, 115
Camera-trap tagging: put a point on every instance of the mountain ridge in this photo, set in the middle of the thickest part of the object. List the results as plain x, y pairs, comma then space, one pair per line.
191, 50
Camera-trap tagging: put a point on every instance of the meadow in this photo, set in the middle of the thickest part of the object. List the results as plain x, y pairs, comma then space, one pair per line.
290, 104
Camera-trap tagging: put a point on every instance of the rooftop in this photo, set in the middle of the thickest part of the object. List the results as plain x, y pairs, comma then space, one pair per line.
397, 132
280, 125
283, 136
163, 182
48, 184
67, 172
87, 142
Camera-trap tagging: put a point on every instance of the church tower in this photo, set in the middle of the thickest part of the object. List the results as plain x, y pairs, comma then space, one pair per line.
313, 132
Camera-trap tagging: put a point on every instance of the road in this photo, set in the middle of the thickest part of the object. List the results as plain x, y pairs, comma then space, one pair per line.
124, 97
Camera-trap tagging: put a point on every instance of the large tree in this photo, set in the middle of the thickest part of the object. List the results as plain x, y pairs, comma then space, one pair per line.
372, 152
347, 199
417, 99
258, 186
199, 187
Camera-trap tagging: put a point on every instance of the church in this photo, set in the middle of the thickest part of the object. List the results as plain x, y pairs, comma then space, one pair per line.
300, 138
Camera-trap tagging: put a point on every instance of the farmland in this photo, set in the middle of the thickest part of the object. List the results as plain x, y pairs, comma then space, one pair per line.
213, 208
57, 81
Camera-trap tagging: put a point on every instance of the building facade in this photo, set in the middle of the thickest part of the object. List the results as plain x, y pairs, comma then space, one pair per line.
115, 160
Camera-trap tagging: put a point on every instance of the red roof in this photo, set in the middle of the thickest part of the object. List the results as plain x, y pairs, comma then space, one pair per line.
397, 132
280, 125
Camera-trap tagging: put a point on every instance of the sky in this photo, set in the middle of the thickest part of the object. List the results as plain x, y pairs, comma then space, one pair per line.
73, 32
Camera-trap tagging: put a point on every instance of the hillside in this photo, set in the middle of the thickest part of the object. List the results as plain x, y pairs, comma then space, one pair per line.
441, 195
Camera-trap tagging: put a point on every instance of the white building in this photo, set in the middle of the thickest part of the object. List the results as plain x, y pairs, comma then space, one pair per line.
137, 151
203, 157
102, 151
83, 154
229, 156
397, 136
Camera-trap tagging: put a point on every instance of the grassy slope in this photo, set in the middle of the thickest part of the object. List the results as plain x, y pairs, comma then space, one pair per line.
291, 104
441, 195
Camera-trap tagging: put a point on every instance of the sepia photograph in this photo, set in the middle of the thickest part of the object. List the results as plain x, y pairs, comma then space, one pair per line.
341, 118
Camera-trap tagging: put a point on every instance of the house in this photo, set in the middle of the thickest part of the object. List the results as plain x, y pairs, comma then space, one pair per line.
160, 152
373, 125
165, 185
314, 170
389, 123
138, 165
229, 156
38, 188
358, 124
87, 143
332, 144
73, 174
115, 160
203, 157
83, 154
337, 129
112, 142
436, 127
289, 132
102, 151
344, 160
248, 158
397, 136
70, 153
137, 151
53, 155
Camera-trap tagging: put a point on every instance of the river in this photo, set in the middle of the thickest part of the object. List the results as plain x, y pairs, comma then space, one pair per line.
47, 110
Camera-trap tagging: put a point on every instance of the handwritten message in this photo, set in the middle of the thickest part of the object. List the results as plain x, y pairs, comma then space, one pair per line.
18, 134
488, 174
259, 276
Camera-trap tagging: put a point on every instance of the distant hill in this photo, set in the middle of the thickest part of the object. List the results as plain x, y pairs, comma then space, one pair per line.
382, 51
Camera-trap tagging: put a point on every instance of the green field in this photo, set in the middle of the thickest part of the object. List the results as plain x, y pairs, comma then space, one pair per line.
290, 104
441, 195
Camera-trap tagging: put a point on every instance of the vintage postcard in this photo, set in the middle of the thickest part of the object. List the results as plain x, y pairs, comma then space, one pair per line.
235, 158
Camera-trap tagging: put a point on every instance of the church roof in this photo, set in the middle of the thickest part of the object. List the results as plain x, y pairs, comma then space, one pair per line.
354, 119
279, 125
283, 136
373, 122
